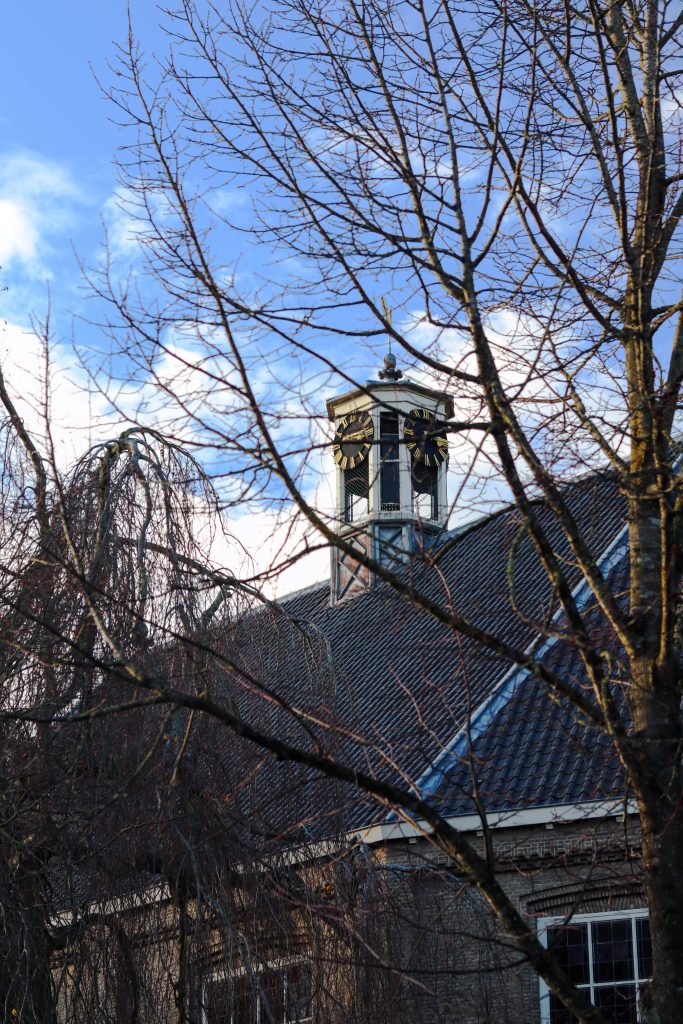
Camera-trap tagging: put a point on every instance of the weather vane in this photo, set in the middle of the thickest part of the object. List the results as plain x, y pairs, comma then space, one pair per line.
389, 372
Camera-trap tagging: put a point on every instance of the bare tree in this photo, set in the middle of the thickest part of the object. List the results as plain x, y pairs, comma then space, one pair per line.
143, 876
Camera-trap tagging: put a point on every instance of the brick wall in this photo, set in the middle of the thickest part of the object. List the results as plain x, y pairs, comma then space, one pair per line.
446, 927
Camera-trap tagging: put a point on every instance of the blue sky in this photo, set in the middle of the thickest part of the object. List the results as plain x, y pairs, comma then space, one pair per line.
51, 103
57, 184
56, 142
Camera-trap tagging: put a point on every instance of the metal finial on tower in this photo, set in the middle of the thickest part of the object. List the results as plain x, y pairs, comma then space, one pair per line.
390, 372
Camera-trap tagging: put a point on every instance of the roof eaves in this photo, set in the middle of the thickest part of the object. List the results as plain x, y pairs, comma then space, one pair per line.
546, 814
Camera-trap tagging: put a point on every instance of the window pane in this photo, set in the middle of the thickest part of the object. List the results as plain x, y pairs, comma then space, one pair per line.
356, 508
298, 993
425, 478
391, 499
569, 946
644, 947
558, 1014
425, 506
612, 950
356, 492
388, 450
357, 480
243, 1001
271, 994
388, 424
425, 490
217, 1001
390, 492
618, 1004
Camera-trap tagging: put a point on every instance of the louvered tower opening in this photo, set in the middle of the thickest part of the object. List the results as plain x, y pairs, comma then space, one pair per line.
356, 492
425, 483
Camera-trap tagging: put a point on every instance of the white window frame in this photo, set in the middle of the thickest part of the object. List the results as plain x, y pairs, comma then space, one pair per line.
545, 923
279, 965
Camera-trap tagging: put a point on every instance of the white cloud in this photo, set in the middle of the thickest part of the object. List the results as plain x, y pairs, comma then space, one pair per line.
672, 108
225, 201
192, 393
250, 543
130, 219
274, 550
52, 382
33, 176
18, 233
531, 360
38, 198
39, 201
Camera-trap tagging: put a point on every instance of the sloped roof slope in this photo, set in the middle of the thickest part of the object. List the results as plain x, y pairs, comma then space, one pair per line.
388, 689
393, 686
535, 750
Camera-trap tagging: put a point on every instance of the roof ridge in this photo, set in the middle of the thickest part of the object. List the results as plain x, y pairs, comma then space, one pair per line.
463, 530
308, 589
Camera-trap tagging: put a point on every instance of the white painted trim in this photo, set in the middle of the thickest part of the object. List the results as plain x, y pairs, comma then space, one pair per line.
156, 893
383, 833
544, 923
598, 915
526, 816
394, 831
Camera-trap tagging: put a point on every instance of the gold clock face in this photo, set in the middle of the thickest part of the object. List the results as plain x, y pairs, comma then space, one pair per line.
352, 439
425, 437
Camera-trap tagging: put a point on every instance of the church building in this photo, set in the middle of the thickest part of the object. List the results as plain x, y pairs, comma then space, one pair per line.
329, 906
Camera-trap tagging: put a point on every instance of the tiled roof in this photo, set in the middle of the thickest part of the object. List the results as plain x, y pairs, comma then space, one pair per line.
389, 690
395, 686
535, 752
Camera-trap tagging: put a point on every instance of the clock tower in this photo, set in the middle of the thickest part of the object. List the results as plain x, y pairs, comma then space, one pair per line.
390, 448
